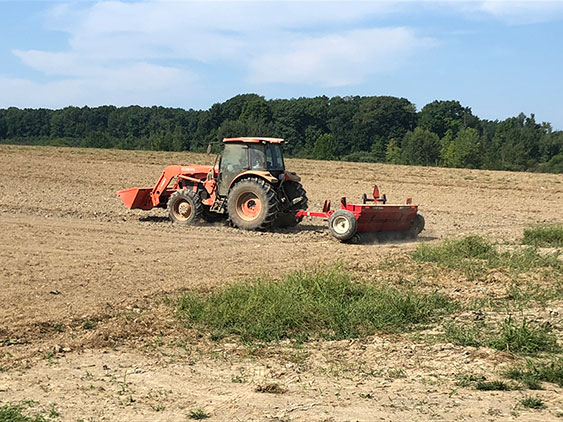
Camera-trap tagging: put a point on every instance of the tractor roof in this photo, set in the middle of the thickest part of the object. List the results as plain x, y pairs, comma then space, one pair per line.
254, 140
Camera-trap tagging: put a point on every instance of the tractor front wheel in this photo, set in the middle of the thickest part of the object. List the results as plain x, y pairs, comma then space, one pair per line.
184, 207
343, 225
252, 204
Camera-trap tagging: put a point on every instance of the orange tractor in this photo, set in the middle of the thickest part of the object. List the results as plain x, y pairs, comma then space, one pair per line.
249, 184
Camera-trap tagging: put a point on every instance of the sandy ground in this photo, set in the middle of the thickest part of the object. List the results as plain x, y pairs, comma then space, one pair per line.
71, 253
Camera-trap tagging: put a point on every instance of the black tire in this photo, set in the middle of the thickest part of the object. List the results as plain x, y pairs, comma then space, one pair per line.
253, 204
343, 225
295, 192
184, 207
417, 225
295, 200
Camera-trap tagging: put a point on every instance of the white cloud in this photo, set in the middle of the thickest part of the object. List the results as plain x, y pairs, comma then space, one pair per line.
522, 12
512, 12
151, 52
337, 59
138, 83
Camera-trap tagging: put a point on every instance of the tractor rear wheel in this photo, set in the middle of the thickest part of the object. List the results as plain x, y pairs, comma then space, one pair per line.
297, 200
343, 225
184, 207
296, 195
252, 204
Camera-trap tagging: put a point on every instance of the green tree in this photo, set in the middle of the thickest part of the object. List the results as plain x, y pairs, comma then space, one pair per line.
379, 119
441, 116
420, 147
393, 152
325, 148
463, 150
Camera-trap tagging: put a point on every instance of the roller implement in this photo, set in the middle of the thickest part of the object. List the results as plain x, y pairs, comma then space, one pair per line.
249, 186
371, 216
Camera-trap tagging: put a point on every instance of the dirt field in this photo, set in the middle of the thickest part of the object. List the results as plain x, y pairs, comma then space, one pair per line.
71, 255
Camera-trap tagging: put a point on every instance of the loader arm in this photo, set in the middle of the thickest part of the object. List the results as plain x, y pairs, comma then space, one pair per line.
167, 175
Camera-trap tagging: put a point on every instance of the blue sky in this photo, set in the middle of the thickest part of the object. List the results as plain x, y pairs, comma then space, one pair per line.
498, 57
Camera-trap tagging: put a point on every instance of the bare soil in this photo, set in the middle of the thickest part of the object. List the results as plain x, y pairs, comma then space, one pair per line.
84, 323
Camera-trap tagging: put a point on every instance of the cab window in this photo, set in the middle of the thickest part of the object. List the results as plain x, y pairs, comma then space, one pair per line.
274, 159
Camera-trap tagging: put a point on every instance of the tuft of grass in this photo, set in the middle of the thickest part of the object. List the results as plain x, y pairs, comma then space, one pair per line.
271, 388
198, 414
89, 325
533, 373
467, 380
474, 255
522, 338
470, 254
302, 305
544, 236
530, 402
21, 413
463, 335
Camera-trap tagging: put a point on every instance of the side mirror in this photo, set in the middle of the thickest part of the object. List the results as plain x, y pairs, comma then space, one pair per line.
209, 148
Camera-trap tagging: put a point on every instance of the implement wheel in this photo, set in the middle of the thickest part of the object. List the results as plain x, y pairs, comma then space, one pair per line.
253, 204
343, 225
184, 207
417, 225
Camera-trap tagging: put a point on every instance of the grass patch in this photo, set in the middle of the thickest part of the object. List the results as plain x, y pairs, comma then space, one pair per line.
530, 402
271, 388
198, 414
495, 385
533, 373
470, 254
474, 255
512, 336
21, 412
544, 236
303, 305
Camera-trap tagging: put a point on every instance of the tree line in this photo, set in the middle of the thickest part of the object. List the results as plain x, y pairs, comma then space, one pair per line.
370, 129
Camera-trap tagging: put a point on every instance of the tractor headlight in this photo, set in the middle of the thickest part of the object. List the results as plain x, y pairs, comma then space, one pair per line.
281, 177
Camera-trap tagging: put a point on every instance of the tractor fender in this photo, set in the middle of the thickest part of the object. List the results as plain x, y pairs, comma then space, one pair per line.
267, 176
291, 177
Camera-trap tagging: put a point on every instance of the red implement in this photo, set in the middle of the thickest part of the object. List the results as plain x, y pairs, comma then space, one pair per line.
373, 215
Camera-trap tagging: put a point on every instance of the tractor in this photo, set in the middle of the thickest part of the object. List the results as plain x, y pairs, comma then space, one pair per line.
248, 184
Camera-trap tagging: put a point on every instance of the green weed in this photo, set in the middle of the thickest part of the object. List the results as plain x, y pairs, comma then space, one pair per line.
271, 388
303, 305
533, 373
198, 414
21, 413
522, 338
474, 255
470, 254
544, 236
530, 402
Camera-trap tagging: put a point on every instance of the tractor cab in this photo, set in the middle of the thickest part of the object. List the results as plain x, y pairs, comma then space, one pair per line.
249, 155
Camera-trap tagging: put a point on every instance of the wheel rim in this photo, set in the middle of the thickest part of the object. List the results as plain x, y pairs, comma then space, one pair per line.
183, 210
341, 224
248, 206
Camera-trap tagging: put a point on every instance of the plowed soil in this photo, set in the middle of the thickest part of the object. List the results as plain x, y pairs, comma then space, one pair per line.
71, 255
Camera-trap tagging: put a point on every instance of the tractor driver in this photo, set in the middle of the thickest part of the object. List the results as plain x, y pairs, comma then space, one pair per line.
257, 158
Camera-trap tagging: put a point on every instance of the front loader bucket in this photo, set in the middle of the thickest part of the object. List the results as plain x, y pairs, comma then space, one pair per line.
136, 198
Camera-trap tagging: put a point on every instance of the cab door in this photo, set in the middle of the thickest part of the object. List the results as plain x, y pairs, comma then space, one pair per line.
233, 162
